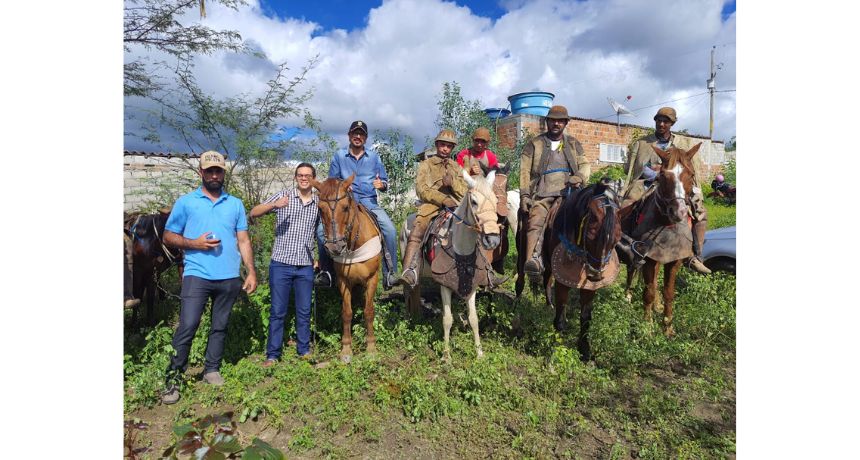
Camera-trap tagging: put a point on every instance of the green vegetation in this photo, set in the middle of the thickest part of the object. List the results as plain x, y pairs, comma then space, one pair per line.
644, 395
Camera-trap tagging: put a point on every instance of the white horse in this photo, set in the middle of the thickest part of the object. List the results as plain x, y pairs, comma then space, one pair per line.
475, 224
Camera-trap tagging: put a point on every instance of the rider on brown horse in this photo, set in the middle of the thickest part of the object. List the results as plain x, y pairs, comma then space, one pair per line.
643, 166
551, 162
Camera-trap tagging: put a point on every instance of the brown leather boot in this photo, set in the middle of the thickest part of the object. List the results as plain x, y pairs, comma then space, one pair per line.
695, 262
409, 277
533, 266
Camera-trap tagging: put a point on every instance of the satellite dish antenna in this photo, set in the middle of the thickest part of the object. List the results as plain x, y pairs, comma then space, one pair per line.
619, 110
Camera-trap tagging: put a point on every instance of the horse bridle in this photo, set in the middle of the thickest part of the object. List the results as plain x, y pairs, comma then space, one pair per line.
170, 256
662, 202
332, 204
578, 248
470, 210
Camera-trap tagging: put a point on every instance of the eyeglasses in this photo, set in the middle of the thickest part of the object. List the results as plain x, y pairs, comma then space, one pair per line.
304, 176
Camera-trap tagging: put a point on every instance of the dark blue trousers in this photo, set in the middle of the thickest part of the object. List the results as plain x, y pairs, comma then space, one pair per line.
284, 278
195, 292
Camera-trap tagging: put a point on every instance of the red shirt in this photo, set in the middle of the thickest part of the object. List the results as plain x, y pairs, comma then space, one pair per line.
492, 161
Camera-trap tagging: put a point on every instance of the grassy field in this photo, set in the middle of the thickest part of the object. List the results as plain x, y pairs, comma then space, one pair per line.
643, 396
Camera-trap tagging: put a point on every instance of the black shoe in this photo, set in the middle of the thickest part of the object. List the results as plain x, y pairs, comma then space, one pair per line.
389, 281
323, 279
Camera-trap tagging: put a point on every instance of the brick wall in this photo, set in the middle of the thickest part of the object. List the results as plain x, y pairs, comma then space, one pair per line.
591, 133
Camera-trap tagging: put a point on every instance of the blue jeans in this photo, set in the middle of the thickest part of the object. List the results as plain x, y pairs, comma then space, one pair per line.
195, 292
389, 237
282, 279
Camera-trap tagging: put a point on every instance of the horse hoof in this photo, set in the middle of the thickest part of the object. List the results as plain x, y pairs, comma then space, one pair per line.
346, 359
480, 354
446, 358
669, 332
371, 348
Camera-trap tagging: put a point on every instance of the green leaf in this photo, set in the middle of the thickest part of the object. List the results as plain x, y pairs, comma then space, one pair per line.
226, 443
261, 450
182, 430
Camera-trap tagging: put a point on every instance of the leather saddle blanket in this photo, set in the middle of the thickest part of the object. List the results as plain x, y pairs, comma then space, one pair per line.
568, 267
460, 273
668, 242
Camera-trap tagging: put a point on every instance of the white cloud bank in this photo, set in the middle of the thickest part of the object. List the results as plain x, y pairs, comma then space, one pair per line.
390, 72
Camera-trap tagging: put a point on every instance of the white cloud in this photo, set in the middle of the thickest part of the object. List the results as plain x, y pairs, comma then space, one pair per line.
390, 72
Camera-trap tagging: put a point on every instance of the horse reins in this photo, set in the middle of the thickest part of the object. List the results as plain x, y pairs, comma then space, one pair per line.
578, 248
332, 204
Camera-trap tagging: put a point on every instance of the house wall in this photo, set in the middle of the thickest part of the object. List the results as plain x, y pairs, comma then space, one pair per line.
152, 181
591, 133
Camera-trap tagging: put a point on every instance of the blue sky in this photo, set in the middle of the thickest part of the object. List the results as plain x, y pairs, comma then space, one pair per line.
385, 62
349, 14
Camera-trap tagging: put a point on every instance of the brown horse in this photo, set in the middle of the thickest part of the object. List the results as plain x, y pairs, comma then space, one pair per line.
355, 243
660, 222
579, 253
151, 257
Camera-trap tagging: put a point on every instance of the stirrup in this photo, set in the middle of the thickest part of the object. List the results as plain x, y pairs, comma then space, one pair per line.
402, 280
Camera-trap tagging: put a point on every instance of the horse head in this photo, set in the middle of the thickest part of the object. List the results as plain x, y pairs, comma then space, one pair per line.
478, 209
602, 229
337, 212
675, 181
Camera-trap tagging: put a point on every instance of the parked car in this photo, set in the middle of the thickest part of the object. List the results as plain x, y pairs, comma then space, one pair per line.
718, 253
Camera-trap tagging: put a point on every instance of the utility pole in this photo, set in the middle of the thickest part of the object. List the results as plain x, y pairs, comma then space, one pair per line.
711, 88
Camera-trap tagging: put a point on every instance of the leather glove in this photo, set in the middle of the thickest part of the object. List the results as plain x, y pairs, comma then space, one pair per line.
525, 203
449, 202
575, 181
447, 180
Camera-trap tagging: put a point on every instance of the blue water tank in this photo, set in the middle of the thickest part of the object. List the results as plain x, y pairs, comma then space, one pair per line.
496, 113
532, 102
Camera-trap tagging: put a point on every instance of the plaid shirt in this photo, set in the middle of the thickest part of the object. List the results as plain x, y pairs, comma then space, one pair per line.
295, 229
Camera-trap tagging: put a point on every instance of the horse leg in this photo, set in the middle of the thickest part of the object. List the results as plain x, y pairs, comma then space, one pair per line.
369, 291
649, 273
473, 321
670, 271
561, 293
586, 298
628, 291
346, 319
413, 302
447, 321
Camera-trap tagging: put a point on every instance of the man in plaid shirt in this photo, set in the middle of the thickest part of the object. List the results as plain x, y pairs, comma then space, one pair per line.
292, 265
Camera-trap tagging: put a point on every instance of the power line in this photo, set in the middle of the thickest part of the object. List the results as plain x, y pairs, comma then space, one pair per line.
655, 105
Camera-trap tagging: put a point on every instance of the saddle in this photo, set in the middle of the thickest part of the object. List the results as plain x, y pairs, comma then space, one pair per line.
460, 273
668, 242
375, 221
568, 259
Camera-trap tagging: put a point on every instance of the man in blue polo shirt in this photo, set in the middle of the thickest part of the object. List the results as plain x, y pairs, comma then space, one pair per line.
370, 177
210, 225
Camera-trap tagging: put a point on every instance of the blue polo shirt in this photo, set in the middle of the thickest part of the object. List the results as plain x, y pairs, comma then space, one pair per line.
366, 167
195, 214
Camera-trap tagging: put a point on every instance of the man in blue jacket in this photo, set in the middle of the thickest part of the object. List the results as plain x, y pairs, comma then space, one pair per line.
370, 177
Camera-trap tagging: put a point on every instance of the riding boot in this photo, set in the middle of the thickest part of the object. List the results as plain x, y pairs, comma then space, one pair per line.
128, 269
412, 255
695, 262
534, 265
409, 277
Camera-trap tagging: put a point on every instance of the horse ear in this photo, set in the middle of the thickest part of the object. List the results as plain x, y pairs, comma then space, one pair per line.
349, 181
664, 155
469, 181
692, 152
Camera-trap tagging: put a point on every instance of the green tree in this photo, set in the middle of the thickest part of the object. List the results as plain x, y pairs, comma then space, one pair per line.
464, 116
154, 24
397, 153
246, 128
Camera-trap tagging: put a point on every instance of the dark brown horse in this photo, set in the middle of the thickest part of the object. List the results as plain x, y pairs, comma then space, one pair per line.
355, 244
661, 222
151, 257
579, 253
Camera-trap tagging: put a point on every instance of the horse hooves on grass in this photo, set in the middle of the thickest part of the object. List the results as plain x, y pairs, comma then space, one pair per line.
346, 359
